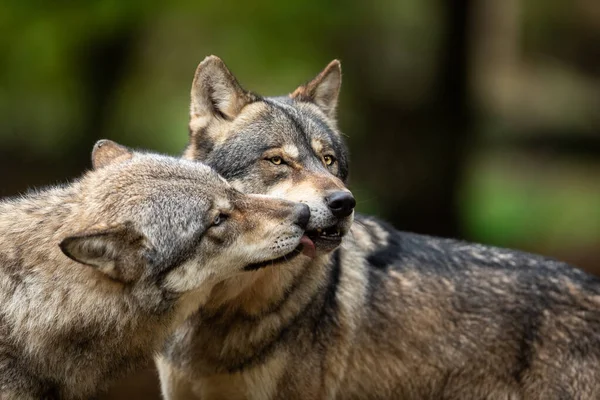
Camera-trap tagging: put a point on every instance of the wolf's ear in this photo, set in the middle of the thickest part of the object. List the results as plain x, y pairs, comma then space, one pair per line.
215, 93
112, 251
107, 152
323, 90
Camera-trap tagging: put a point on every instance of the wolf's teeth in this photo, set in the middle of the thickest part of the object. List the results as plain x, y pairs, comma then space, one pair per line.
328, 232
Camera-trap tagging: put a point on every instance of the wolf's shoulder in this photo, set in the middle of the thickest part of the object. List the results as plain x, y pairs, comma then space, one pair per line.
387, 248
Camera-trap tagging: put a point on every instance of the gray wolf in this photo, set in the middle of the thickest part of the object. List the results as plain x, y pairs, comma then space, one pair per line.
94, 275
384, 315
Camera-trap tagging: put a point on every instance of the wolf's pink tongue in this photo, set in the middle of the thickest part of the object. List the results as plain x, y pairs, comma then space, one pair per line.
308, 247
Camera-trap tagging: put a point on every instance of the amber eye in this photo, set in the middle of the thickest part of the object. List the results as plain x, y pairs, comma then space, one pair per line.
276, 160
328, 160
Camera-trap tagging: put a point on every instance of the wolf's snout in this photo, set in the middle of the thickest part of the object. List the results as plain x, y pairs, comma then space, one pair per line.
302, 213
341, 203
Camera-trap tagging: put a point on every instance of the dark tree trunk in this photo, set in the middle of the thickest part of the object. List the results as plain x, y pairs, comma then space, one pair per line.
104, 61
412, 159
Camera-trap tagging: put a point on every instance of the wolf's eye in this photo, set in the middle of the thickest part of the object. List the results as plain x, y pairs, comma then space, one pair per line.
328, 160
219, 219
276, 160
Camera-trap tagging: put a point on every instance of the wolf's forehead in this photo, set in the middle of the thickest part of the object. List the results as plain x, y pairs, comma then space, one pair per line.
286, 122
159, 176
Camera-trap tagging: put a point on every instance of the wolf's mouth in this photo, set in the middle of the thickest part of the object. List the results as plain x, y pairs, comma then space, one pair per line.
331, 233
268, 263
326, 239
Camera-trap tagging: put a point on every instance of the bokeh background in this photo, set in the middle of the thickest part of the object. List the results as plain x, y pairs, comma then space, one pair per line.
466, 118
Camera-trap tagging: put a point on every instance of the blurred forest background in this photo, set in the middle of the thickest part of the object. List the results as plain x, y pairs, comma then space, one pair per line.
473, 119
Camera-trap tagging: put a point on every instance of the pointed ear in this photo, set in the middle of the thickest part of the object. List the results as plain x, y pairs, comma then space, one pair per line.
323, 90
216, 93
113, 251
107, 152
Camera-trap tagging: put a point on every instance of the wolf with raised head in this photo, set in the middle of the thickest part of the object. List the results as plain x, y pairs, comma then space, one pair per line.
371, 312
95, 275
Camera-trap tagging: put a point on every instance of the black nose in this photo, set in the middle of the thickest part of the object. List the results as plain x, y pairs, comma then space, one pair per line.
302, 213
341, 204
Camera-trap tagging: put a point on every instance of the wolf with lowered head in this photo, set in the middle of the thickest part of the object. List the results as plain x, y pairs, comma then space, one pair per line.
94, 275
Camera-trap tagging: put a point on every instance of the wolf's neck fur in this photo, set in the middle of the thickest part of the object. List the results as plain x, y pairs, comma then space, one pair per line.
258, 292
38, 218
245, 318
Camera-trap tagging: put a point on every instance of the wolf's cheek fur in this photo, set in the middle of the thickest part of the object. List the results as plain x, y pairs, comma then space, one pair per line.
279, 240
268, 235
190, 275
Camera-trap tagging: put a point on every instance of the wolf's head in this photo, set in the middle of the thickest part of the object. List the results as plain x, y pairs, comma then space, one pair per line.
151, 220
287, 147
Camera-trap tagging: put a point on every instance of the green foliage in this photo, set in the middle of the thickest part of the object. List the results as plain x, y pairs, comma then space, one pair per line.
513, 201
47, 52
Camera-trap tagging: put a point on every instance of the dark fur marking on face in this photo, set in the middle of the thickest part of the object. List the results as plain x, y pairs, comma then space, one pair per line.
340, 149
275, 179
164, 261
233, 158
